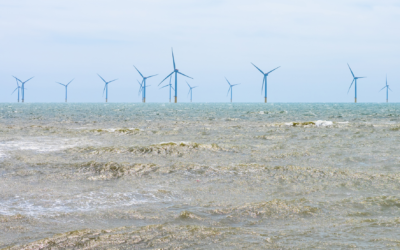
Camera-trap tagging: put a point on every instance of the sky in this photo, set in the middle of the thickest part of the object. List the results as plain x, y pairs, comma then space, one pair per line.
312, 41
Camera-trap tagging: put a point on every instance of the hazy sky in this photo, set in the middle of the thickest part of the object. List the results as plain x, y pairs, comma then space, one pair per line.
311, 40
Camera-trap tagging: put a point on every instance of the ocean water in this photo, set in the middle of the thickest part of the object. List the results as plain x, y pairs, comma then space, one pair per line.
199, 176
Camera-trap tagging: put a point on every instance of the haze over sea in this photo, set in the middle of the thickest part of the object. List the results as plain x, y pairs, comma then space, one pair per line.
122, 176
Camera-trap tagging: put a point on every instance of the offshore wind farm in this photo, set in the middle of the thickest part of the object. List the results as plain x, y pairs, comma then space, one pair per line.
144, 126
143, 84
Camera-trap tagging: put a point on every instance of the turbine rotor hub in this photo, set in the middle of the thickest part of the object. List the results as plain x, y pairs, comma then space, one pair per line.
176, 70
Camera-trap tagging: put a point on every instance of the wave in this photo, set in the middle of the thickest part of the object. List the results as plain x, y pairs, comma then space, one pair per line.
117, 130
48, 206
276, 208
157, 236
163, 148
42, 144
318, 123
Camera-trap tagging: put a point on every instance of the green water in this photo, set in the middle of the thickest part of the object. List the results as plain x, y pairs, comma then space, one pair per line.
289, 176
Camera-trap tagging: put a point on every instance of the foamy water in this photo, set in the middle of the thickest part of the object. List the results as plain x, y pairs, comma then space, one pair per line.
204, 176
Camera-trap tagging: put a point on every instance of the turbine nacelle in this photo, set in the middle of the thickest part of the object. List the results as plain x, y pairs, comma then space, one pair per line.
176, 70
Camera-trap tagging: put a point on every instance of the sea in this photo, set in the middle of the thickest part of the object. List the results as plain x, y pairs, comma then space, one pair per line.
200, 176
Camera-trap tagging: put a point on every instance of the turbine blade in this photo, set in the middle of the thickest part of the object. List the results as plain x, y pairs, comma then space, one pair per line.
228, 90
102, 78
14, 90
164, 86
141, 86
361, 77
258, 68
29, 79
350, 85
235, 84
60, 83
152, 75
194, 87
17, 79
112, 81
390, 89
351, 71
184, 75
262, 86
188, 84
273, 70
382, 89
166, 78
104, 88
189, 92
228, 82
70, 81
173, 58
138, 71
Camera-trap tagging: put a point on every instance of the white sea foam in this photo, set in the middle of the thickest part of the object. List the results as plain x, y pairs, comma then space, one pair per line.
320, 123
41, 144
2, 154
81, 202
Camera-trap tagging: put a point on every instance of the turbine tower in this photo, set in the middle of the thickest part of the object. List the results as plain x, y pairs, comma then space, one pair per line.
230, 88
387, 90
18, 88
176, 71
66, 88
23, 86
190, 91
355, 84
106, 86
265, 80
143, 87
170, 87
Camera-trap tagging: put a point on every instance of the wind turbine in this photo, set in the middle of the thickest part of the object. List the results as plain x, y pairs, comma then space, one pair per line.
387, 90
170, 87
106, 86
265, 80
190, 90
176, 71
144, 84
66, 88
18, 87
230, 87
23, 86
355, 84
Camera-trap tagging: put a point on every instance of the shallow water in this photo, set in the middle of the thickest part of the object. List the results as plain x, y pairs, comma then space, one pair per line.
199, 176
